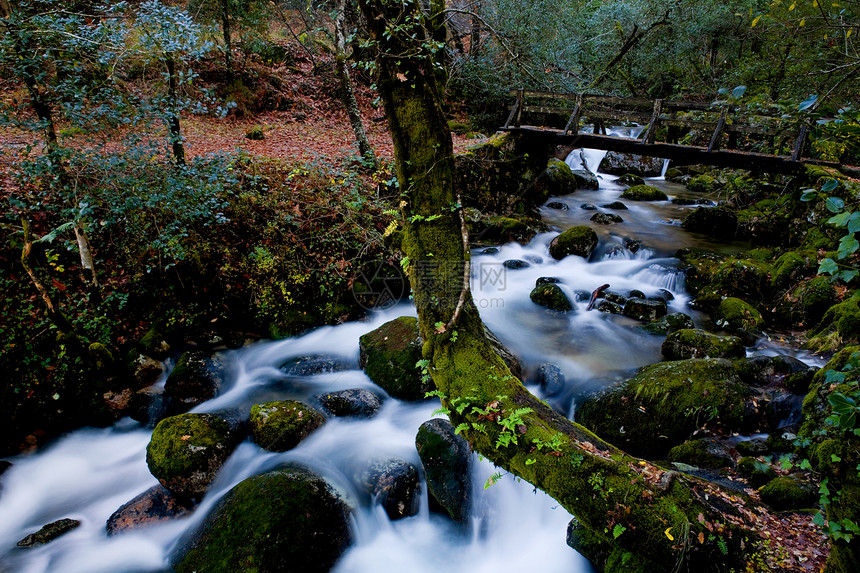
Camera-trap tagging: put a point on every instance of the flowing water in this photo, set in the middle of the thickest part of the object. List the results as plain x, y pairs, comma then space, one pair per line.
88, 474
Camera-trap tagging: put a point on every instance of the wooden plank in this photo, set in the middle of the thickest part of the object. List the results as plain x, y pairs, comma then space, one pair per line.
684, 154
718, 132
514, 109
519, 116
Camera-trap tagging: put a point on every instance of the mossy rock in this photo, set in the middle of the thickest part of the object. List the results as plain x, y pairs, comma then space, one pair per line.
669, 323
735, 315
606, 218
283, 520
673, 174
458, 127
786, 493
500, 230
788, 269
704, 453
645, 309
816, 406
756, 472
702, 265
630, 179
197, 377
446, 457
703, 184
753, 447
720, 222
580, 240
665, 403
695, 343
743, 278
586, 179
559, 178
644, 193
186, 451
806, 303
389, 355
281, 426
619, 163
840, 325
552, 297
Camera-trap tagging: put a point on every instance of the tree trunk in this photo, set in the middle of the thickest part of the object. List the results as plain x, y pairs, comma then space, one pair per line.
633, 515
347, 93
54, 313
173, 115
228, 37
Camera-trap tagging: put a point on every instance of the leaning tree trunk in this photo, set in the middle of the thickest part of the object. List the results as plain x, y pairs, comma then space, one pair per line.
347, 93
633, 516
173, 113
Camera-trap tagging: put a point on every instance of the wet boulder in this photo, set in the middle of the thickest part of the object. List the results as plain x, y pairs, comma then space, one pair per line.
49, 532
588, 207
630, 179
150, 405
155, 505
789, 492
186, 451
144, 369
353, 402
745, 278
389, 355
313, 365
394, 484
788, 269
551, 379
516, 264
446, 458
645, 309
706, 453
580, 240
664, 403
669, 323
703, 184
840, 325
695, 343
281, 426
499, 230
735, 315
644, 193
197, 377
756, 472
284, 520
552, 297
806, 303
559, 178
606, 218
616, 205
617, 163
719, 222
609, 307
753, 447
558, 205
585, 179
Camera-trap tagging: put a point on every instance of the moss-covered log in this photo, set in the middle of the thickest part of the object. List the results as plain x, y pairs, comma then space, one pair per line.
634, 515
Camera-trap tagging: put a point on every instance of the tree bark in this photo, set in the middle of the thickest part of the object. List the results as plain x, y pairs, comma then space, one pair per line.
633, 515
173, 115
228, 37
347, 93
54, 313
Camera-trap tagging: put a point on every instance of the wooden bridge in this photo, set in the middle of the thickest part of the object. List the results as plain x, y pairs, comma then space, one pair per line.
727, 128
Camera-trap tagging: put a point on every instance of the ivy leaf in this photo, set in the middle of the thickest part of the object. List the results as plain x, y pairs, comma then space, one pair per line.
808, 195
834, 204
830, 185
834, 377
739, 92
827, 267
847, 276
808, 102
847, 246
854, 222
840, 220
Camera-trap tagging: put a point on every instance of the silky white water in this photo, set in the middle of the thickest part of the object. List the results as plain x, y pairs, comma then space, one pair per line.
89, 473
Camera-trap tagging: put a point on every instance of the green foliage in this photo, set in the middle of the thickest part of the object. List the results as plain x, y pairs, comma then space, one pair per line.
845, 217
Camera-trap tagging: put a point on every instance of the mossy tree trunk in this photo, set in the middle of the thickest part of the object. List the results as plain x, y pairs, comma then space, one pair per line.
634, 516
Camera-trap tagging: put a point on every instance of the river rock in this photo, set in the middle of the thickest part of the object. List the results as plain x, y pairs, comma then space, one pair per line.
806, 303
547, 281
669, 323
144, 369
197, 377
313, 365
284, 520
695, 343
616, 205
281, 426
551, 379
357, 402
557, 205
585, 179
703, 184
706, 453
515, 264
150, 405
609, 307
49, 532
614, 296
588, 207
558, 178
782, 407
606, 218
735, 315
644, 309
664, 403
446, 458
155, 505
785, 493
617, 163
580, 240
552, 297
389, 355
186, 451
720, 222
394, 485
644, 193
630, 179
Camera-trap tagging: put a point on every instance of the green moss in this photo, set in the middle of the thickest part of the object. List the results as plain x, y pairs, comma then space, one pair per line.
744, 278
630, 179
458, 127
389, 355
551, 297
761, 255
816, 239
840, 325
702, 453
788, 492
669, 400
280, 426
806, 303
703, 184
757, 472
559, 178
695, 343
733, 314
702, 265
669, 323
787, 269
287, 519
644, 193
580, 240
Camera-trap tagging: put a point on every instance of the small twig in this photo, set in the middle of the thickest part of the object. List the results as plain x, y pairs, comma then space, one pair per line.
467, 268
594, 296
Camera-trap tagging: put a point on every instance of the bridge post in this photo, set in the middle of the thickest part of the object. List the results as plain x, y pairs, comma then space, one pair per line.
651, 131
721, 125
797, 153
574, 117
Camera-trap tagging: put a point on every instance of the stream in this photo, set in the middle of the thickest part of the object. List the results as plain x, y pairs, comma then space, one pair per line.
87, 474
